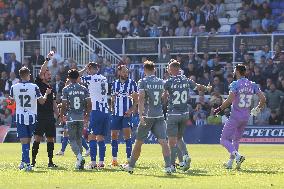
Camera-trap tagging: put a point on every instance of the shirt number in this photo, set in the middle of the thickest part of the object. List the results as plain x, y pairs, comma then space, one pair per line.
156, 100
245, 101
77, 103
25, 101
180, 97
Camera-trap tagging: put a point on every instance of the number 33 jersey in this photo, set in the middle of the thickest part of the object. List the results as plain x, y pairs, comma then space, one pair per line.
178, 90
243, 90
25, 95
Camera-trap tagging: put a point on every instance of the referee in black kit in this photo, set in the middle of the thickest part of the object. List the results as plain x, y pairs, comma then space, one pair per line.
45, 115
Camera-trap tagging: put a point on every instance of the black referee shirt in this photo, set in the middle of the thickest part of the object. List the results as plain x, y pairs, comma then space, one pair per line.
45, 110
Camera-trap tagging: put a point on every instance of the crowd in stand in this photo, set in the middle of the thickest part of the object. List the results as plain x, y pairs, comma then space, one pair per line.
27, 19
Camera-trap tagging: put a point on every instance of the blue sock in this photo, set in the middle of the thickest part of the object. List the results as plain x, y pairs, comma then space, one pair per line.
25, 153
114, 146
93, 149
84, 144
102, 150
64, 143
128, 144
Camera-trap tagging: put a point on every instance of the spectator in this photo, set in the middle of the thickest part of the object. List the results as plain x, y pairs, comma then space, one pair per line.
136, 30
214, 119
165, 56
153, 17
193, 29
11, 81
36, 58
264, 10
199, 115
217, 68
273, 97
217, 86
267, 23
205, 78
280, 65
274, 119
229, 79
191, 70
180, 30
220, 9
112, 32
56, 56
2, 66
199, 16
267, 53
95, 56
228, 69
124, 24
108, 71
94, 23
202, 31
164, 10
201, 99
186, 14
3, 80
263, 117
212, 22
102, 11
208, 9
82, 11
10, 34
58, 85
258, 53
13, 65
54, 68
270, 70
257, 77
143, 17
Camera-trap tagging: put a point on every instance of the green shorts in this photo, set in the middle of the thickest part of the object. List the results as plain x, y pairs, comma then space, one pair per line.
156, 125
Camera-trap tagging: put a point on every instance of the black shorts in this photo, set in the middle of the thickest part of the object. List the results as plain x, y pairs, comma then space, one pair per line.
45, 126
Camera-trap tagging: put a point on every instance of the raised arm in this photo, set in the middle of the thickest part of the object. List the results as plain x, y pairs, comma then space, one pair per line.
44, 66
81, 72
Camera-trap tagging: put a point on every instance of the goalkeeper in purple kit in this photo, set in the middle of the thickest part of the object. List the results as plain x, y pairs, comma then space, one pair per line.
240, 96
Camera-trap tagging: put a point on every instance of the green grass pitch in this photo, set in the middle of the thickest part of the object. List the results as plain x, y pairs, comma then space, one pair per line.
263, 168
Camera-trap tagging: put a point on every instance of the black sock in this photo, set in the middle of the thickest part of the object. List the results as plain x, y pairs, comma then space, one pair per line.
35, 150
50, 148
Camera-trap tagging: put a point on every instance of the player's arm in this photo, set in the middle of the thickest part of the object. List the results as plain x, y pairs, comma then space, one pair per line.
200, 87
55, 109
81, 72
88, 108
112, 99
141, 100
63, 108
225, 104
44, 66
132, 109
42, 99
261, 104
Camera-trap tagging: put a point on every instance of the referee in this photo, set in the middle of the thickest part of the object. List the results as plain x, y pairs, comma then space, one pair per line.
45, 120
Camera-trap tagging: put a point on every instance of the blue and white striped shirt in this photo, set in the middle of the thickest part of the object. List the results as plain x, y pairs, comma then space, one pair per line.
25, 95
121, 92
98, 89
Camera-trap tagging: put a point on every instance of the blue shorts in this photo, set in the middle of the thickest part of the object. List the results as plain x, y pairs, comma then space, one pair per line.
120, 122
25, 131
98, 123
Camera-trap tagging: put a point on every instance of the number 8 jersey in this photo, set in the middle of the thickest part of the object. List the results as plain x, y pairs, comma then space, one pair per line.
178, 89
25, 95
244, 90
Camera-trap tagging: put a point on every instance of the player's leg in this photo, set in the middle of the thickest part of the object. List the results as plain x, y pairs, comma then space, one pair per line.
85, 146
141, 135
64, 142
79, 133
92, 140
50, 133
236, 139
38, 134
72, 131
101, 138
181, 144
127, 136
226, 140
25, 133
116, 126
172, 131
159, 130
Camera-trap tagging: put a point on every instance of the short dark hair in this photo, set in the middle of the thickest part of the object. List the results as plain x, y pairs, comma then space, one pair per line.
94, 65
175, 64
73, 74
241, 68
149, 65
24, 71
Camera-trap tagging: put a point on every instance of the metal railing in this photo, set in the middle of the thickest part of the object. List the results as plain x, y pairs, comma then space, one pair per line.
67, 45
106, 52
